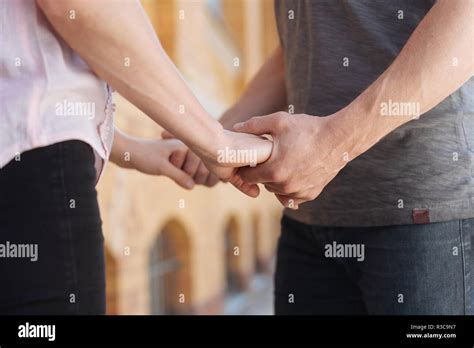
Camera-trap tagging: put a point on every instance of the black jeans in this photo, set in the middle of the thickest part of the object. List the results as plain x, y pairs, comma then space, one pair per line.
48, 200
408, 269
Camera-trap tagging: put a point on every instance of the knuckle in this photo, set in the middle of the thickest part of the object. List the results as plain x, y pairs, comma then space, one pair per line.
281, 121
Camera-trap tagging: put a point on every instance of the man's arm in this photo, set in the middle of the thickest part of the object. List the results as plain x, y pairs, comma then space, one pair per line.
436, 60
264, 95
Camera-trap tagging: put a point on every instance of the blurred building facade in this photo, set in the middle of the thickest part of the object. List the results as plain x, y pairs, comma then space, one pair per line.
205, 251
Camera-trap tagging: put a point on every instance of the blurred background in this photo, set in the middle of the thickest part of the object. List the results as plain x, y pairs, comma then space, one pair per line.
206, 251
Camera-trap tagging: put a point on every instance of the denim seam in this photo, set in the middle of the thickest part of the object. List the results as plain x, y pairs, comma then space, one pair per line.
69, 228
463, 266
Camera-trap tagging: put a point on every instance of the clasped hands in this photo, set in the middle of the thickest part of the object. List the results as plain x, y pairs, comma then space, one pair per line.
306, 153
299, 157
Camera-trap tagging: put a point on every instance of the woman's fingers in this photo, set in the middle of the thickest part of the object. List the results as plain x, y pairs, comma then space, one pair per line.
212, 180
201, 175
177, 175
193, 167
178, 157
191, 164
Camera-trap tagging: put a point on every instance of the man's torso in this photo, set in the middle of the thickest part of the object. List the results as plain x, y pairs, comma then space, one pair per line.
335, 49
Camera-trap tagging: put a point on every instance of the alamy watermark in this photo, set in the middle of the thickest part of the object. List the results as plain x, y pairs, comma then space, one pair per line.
70, 108
344, 250
394, 108
12, 250
28, 330
232, 156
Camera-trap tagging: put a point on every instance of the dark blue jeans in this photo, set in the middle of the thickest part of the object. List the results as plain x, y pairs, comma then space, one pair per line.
395, 270
48, 199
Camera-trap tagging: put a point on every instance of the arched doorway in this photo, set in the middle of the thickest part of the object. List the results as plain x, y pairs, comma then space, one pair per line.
234, 281
111, 283
170, 281
258, 261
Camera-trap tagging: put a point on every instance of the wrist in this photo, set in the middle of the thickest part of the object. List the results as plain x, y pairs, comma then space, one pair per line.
363, 124
130, 151
131, 156
208, 149
354, 138
120, 150
336, 140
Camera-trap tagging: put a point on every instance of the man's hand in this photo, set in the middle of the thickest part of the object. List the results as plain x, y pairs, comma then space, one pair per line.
308, 152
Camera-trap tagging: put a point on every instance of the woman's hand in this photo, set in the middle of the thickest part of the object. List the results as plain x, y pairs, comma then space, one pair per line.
233, 150
157, 157
153, 157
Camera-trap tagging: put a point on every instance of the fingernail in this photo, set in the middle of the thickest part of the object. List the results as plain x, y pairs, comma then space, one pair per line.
238, 125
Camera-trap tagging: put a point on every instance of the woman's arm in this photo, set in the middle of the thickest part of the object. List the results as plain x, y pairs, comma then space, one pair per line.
116, 39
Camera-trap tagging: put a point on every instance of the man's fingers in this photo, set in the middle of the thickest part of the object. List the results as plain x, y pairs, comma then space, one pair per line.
177, 175
251, 190
293, 200
256, 175
258, 125
272, 189
281, 188
289, 202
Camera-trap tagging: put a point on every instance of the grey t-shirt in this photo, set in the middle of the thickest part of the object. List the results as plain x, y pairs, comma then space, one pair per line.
423, 171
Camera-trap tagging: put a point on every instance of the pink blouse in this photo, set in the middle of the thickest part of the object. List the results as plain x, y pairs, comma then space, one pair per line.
48, 94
